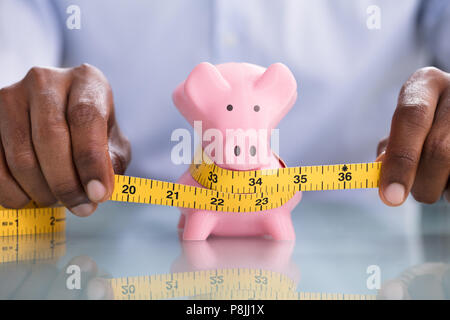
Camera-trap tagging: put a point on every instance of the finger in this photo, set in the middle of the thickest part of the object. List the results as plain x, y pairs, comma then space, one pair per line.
11, 195
52, 144
119, 150
15, 131
411, 123
88, 113
434, 166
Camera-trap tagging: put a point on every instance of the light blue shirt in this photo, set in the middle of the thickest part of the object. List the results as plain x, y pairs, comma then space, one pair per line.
348, 74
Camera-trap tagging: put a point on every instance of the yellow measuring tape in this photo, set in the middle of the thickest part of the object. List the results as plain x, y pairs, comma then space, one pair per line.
245, 191
223, 190
32, 221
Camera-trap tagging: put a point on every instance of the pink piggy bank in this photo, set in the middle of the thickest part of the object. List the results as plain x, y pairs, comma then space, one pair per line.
231, 99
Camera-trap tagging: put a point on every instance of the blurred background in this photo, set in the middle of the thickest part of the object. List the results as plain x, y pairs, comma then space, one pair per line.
350, 59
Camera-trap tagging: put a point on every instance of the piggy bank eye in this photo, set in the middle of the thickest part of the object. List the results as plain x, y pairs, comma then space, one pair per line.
256, 108
229, 107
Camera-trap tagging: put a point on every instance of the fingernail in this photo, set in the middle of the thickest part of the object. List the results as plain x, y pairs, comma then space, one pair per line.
380, 156
95, 190
447, 195
394, 193
83, 210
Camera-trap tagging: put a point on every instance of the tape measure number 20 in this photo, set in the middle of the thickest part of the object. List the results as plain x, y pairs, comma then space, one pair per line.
223, 190
245, 191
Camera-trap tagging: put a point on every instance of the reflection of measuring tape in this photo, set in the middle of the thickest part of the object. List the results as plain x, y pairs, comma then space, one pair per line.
226, 284
224, 190
32, 247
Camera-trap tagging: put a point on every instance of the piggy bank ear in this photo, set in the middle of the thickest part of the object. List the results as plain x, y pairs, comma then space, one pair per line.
205, 86
277, 85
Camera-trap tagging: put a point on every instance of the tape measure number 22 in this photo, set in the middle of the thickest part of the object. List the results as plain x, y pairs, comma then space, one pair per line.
223, 190
245, 191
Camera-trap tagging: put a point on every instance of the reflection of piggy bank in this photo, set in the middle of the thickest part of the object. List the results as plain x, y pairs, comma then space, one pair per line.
234, 99
238, 253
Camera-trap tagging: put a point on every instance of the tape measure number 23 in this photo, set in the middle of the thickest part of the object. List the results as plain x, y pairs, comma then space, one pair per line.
245, 191
223, 190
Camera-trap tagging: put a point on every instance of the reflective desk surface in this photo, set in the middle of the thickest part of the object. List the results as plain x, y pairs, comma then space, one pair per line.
341, 249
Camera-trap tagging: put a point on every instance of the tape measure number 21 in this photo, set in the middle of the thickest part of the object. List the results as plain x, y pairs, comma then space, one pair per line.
245, 191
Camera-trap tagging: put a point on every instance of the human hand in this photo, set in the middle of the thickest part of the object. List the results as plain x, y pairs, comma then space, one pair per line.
416, 155
60, 140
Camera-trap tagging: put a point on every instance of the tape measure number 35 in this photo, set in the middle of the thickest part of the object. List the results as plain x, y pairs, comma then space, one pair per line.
245, 191
223, 190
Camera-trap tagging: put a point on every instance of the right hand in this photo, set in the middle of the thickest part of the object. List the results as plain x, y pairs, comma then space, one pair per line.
59, 140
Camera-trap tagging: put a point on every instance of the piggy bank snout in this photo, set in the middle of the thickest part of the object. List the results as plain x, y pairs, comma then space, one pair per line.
247, 154
237, 151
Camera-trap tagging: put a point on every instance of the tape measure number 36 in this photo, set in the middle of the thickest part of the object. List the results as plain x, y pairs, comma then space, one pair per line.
245, 191
223, 190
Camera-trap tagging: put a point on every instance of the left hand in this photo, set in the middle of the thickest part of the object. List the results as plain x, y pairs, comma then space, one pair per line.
416, 155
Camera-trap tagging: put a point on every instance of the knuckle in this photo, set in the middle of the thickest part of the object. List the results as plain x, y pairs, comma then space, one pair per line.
88, 157
406, 157
68, 193
94, 75
88, 70
38, 76
51, 132
429, 73
52, 128
84, 114
22, 161
8, 101
437, 150
413, 115
16, 138
5, 95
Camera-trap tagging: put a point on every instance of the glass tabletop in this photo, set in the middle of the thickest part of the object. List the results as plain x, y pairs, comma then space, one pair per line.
130, 251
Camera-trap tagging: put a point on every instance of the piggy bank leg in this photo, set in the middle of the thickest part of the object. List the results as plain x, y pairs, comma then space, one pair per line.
279, 225
181, 221
198, 225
